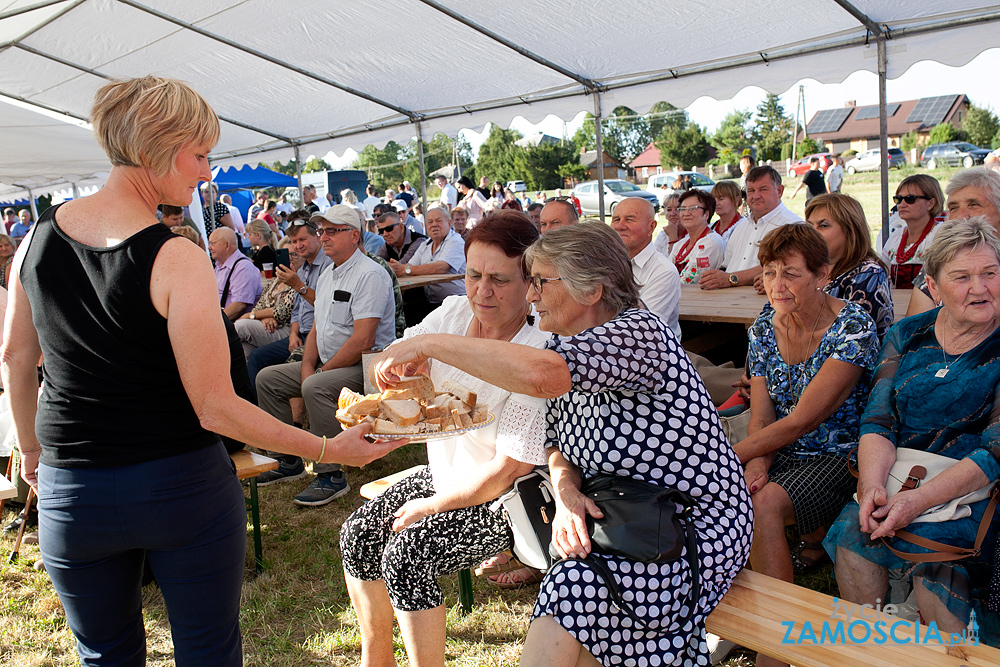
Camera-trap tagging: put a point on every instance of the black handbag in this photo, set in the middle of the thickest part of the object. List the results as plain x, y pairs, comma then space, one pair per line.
642, 522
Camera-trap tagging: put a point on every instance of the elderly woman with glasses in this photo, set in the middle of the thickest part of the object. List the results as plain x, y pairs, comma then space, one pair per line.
703, 248
936, 391
623, 398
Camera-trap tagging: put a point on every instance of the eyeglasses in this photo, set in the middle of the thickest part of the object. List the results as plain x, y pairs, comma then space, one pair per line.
684, 209
909, 199
328, 231
538, 282
389, 228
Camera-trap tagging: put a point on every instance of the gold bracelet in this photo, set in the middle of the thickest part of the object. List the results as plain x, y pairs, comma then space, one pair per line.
322, 451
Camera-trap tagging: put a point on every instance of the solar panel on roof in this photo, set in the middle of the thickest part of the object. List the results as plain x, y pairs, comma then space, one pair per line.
931, 110
828, 120
869, 112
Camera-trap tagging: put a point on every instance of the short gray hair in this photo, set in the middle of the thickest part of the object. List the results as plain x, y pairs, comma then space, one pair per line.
587, 255
956, 235
977, 177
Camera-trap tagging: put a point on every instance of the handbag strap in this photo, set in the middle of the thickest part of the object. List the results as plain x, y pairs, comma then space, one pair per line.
946, 552
605, 574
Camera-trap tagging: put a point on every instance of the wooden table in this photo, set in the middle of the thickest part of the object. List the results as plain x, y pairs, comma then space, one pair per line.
407, 282
742, 305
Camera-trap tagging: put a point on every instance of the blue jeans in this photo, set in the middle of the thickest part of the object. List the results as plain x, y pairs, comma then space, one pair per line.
271, 354
186, 514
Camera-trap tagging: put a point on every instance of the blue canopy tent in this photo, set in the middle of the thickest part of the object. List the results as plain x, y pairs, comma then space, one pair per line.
238, 182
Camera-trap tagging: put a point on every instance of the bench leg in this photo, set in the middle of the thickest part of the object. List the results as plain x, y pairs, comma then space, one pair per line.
258, 556
465, 590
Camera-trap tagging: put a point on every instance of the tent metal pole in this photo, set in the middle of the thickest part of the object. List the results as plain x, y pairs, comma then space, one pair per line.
600, 153
32, 206
883, 139
298, 173
423, 174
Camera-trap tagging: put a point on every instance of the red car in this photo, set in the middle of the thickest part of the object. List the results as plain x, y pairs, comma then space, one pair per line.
802, 166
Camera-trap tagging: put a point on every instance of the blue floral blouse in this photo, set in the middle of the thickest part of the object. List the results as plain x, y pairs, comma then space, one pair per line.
850, 338
867, 285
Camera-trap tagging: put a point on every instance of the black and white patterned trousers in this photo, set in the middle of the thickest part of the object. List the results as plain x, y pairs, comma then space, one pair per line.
411, 561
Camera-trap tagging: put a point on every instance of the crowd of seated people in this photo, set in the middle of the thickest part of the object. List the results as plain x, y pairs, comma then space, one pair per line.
560, 315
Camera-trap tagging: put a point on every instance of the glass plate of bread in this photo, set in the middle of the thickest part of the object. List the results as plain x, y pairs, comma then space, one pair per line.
413, 408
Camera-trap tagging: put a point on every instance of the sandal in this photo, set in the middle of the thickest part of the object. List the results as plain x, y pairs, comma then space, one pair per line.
517, 579
504, 561
803, 564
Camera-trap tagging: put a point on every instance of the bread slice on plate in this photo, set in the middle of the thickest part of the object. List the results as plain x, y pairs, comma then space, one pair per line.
404, 413
419, 383
461, 392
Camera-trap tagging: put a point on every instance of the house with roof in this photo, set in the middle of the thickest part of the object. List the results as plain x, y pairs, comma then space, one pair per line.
537, 139
857, 128
611, 168
646, 164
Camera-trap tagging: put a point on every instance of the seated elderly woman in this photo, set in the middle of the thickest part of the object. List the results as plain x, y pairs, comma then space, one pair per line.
271, 317
439, 520
856, 273
971, 193
810, 361
703, 248
651, 421
935, 390
6, 258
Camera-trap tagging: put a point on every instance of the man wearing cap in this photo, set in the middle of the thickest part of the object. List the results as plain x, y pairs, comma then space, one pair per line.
409, 221
305, 243
449, 195
354, 311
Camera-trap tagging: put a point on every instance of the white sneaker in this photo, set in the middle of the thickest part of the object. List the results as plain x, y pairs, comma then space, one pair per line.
719, 647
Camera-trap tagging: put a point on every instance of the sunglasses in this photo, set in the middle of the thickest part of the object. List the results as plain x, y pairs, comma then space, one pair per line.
387, 229
302, 223
329, 231
909, 199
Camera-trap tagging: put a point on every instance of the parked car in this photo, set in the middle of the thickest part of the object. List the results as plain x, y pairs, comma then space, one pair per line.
871, 160
802, 165
614, 192
656, 181
517, 186
953, 153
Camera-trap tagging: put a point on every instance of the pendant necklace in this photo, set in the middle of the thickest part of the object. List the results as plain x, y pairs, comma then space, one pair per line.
944, 359
800, 383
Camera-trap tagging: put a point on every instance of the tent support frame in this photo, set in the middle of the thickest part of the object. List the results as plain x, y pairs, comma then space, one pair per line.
883, 131
600, 152
423, 173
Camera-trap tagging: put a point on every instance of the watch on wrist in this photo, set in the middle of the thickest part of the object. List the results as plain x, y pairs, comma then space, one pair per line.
734, 279
408, 270
303, 289
253, 316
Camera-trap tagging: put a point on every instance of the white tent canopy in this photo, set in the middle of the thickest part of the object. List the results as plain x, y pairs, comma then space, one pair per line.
322, 76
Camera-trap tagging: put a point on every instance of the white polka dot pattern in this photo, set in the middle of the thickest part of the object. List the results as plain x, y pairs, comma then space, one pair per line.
638, 408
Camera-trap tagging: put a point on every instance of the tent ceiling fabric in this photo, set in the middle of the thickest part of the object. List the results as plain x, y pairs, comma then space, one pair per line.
328, 76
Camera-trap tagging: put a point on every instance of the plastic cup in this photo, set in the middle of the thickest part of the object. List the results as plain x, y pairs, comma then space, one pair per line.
268, 270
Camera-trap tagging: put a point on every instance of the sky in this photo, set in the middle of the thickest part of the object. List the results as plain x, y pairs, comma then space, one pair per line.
923, 79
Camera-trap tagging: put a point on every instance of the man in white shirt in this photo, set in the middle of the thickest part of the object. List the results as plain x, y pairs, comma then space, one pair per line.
659, 283
370, 202
241, 231
835, 175
764, 192
283, 205
449, 194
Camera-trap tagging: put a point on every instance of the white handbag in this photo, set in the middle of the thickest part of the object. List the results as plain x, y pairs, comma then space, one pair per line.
530, 506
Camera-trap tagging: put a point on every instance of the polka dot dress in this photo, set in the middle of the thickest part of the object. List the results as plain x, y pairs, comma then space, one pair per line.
638, 408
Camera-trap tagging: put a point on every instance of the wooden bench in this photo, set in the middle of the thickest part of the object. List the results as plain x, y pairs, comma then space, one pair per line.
248, 466
756, 611
375, 489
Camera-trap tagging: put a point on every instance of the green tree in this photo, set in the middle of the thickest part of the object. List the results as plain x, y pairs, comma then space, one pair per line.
909, 140
734, 134
315, 164
943, 133
438, 152
981, 126
682, 146
573, 170
384, 166
808, 146
772, 129
539, 165
625, 133
497, 156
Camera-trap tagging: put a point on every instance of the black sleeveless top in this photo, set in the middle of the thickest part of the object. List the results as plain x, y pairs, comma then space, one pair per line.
112, 393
